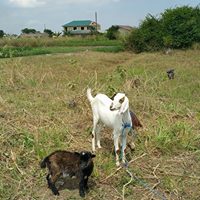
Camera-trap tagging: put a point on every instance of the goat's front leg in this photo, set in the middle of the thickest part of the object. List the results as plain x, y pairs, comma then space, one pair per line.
116, 143
94, 131
82, 186
124, 146
86, 183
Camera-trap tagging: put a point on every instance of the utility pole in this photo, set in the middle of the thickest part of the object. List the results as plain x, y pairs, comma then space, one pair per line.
96, 20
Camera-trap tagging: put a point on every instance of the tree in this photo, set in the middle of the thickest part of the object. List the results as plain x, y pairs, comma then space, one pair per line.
49, 32
1, 33
28, 30
175, 28
152, 32
182, 25
112, 32
148, 37
135, 41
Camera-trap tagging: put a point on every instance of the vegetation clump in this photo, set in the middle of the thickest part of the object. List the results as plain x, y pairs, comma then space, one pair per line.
176, 28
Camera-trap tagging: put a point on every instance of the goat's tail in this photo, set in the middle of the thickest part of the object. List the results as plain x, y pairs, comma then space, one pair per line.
89, 95
43, 163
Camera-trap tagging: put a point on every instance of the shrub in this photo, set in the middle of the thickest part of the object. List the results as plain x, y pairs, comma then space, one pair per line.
176, 28
49, 32
1, 33
182, 26
28, 30
112, 33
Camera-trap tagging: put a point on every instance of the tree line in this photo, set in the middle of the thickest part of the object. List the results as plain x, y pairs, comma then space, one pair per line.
176, 28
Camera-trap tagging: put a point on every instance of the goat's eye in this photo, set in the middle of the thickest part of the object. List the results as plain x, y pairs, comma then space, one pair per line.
122, 100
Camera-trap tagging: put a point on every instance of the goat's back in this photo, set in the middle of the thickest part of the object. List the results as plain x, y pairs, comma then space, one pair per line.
63, 159
102, 100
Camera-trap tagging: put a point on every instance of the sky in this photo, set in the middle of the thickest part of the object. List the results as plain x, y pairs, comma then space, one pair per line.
16, 15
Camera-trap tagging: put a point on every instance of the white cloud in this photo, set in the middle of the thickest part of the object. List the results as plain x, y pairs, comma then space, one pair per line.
88, 1
36, 3
85, 1
27, 3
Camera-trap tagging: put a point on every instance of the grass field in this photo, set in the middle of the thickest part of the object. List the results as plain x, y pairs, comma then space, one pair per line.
17, 47
36, 118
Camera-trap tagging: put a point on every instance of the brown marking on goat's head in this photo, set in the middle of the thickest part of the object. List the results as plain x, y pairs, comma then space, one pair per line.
122, 100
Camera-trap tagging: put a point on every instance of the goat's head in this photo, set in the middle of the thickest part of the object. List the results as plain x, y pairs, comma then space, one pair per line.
85, 158
120, 102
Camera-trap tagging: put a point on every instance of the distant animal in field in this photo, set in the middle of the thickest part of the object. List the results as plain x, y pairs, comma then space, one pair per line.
65, 163
114, 113
170, 73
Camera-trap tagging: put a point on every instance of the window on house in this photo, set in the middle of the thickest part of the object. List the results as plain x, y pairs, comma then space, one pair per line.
75, 28
82, 28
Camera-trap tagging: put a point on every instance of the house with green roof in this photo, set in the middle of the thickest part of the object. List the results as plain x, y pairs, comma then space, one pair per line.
80, 27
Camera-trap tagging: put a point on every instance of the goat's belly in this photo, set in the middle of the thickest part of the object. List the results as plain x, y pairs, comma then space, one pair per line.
107, 117
108, 123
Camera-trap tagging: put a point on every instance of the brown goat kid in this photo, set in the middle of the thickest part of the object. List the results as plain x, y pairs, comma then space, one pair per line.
62, 163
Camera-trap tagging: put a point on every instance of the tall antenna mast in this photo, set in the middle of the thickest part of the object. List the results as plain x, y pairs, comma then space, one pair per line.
96, 20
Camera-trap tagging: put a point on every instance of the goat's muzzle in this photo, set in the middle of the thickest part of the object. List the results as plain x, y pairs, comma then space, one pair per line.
111, 107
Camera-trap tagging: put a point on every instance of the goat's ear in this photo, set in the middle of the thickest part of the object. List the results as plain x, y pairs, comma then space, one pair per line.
77, 153
124, 105
112, 98
93, 155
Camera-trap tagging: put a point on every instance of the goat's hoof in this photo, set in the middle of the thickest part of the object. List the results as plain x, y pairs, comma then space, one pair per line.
56, 193
124, 164
132, 146
82, 194
117, 164
86, 189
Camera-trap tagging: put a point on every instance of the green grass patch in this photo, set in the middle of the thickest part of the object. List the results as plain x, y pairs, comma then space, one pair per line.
112, 49
63, 41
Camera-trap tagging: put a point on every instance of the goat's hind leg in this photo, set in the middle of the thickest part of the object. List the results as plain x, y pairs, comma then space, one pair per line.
51, 183
98, 136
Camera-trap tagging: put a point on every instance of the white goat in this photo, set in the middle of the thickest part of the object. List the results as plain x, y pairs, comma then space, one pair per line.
114, 114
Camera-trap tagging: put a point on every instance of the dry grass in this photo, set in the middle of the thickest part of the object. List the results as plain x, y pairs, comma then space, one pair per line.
43, 107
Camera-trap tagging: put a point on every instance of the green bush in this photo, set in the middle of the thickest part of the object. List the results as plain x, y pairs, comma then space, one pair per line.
112, 33
182, 25
175, 28
1, 33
